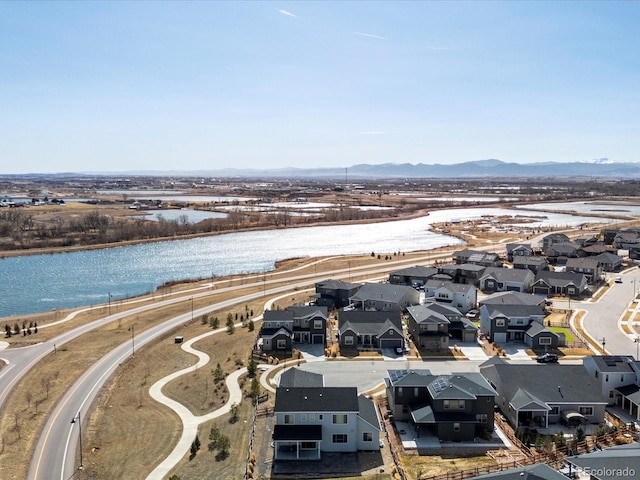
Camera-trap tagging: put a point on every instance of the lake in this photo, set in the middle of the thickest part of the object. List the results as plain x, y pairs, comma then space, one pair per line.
38, 283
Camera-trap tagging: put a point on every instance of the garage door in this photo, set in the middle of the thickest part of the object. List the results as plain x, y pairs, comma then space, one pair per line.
318, 339
500, 337
390, 343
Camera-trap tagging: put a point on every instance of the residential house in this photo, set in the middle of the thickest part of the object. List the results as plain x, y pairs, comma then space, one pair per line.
610, 262
515, 250
463, 273
456, 407
615, 463
538, 396
586, 240
335, 293
477, 257
501, 323
506, 279
539, 338
559, 283
627, 238
514, 298
535, 264
384, 297
552, 239
296, 324
276, 333
370, 330
428, 327
312, 420
309, 323
559, 253
595, 249
589, 266
296, 377
613, 373
462, 296
415, 276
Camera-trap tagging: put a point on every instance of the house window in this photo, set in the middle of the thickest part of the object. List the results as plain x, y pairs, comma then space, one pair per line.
367, 437
308, 445
416, 391
596, 374
348, 340
456, 427
399, 391
317, 324
544, 340
390, 332
606, 377
303, 417
554, 410
288, 419
312, 417
499, 322
453, 404
281, 344
481, 418
339, 419
520, 321
586, 411
339, 438
610, 393
320, 416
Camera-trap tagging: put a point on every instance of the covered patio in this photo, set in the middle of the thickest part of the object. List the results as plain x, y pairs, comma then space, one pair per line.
297, 442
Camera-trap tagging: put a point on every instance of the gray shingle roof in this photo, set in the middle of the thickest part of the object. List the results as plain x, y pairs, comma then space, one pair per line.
317, 399
608, 464
382, 291
512, 298
294, 377
367, 322
368, 411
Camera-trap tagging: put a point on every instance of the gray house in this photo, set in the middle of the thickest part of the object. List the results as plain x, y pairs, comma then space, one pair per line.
552, 239
535, 264
506, 279
538, 337
477, 257
460, 273
559, 283
367, 330
458, 295
384, 297
276, 333
456, 407
335, 293
589, 266
297, 324
559, 253
412, 276
615, 463
538, 396
610, 262
514, 298
515, 250
502, 323
428, 327
616, 375
312, 420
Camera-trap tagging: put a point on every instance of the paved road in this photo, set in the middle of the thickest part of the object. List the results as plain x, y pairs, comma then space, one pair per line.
55, 453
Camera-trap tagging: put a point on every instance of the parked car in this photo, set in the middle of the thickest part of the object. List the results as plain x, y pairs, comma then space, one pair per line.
547, 358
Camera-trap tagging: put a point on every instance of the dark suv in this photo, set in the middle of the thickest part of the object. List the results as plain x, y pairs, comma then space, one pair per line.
547, 358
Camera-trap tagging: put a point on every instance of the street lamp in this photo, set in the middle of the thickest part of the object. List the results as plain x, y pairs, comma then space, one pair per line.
637, 342
192, 309
133, 342
109, 303
604, 352
73, 420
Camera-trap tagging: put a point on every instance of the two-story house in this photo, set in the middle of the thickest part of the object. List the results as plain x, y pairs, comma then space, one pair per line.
501, 323
455, 407
296, 324
335, 293
614, 373
477, 257
535, 264
460, 273
312, 420
370, 330
415, 276
515, 250
309, 323
589, 266
461, 296
552, 239
276, 333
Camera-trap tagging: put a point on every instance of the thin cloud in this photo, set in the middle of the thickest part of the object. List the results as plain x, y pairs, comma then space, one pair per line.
287, 13
370, 35
373, 132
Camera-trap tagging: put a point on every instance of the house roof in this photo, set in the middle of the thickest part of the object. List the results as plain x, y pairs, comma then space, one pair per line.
631, 392
274, 332
316, 399
295, 377
508, 274
467, 385
613, 363
332, 284
548, 383
610, 463
583, 262
563, 248
277, 315
560, 279
529, 260
608, 257
367, 411
513, 298
426, 414
463, 288
386, 292
518, 246
369, 322
416, 271
424, 314
540, 471
510, 311
536, 328
308, 311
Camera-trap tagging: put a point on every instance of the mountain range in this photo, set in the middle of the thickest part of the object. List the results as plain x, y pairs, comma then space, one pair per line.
490, 168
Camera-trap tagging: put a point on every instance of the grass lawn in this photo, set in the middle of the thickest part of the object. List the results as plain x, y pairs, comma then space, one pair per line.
567, 333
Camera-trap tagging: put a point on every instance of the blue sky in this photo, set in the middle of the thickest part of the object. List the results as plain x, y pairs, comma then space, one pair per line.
120, 86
